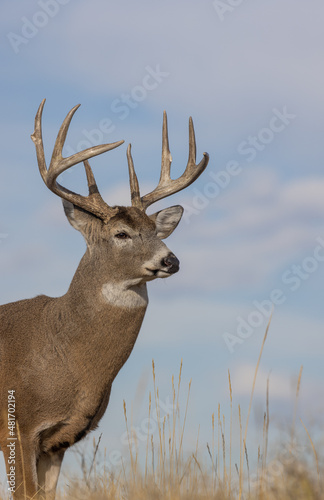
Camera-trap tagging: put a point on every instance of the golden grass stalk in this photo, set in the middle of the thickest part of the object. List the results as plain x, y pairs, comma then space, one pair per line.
129, 444
250, 405
148, 435
197, 442
184, 420
22, 458
231, 425
174, 422
248, 466
152, 451
266, 422
163, 449
314, 451
213, 453
93, 463
224, 454
218, 443
295, 405
156, 396
202, 474
241, 442
178, 414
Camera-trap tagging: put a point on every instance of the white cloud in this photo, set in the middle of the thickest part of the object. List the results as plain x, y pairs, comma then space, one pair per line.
242, 382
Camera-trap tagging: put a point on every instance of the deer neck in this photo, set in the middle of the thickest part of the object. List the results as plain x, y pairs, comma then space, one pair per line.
97, 285
100, 315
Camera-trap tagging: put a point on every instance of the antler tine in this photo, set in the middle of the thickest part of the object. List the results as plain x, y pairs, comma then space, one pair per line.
92, 185
166, 185
93, 203
133, 181
192, 143
193, 171
166, 155
37, 138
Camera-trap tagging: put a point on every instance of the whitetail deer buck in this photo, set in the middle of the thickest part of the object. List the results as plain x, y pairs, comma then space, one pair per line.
59, 356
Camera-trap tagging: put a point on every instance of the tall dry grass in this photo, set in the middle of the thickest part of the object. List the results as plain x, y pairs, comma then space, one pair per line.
166, 472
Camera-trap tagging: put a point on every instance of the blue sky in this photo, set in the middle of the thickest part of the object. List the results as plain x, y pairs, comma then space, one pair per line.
251, 76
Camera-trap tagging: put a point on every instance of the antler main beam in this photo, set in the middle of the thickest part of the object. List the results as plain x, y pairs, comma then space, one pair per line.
166, 185
93, 202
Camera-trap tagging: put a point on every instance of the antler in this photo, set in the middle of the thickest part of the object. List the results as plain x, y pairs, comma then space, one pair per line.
166, 185
93, 202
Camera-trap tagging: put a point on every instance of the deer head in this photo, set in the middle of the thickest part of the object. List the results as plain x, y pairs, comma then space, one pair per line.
126, 238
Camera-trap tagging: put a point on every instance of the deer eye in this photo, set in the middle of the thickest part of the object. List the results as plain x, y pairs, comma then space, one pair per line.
122, 236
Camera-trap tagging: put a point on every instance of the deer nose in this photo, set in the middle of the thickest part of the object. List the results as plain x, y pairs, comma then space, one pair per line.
172, 263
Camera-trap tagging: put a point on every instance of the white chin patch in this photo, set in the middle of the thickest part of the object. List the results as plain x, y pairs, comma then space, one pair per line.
162, 274
128, 294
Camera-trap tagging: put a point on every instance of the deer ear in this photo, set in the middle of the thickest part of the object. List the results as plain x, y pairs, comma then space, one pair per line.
167, 220
77, 217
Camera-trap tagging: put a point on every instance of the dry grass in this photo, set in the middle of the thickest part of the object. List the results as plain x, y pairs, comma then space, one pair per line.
167, 473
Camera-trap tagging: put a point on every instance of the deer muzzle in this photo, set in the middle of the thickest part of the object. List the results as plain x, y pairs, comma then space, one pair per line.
171, 263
